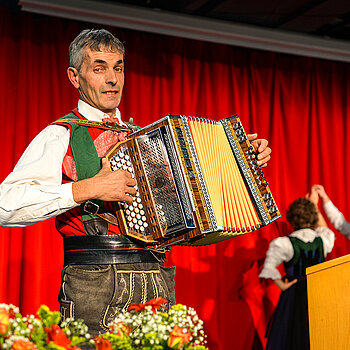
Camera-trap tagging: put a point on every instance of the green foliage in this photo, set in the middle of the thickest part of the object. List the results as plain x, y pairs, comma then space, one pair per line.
48, 317
53, 346
122, 343
38, 336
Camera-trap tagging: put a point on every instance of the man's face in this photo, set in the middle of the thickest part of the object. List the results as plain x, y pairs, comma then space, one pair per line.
101, 80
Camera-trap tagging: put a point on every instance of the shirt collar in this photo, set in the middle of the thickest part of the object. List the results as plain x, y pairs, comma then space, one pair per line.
94, 114
305, 234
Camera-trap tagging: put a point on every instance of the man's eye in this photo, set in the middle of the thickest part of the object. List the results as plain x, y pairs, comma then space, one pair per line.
119, 69
98, 69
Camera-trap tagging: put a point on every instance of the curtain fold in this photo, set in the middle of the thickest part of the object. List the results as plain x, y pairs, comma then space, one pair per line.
301, 105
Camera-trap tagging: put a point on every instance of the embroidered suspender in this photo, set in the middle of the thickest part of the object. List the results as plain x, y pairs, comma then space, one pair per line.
87, 161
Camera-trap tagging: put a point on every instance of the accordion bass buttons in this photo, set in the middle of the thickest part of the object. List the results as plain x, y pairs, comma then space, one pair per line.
256, 170
270, 203
272, 209
236, 125
267, 196
239, 132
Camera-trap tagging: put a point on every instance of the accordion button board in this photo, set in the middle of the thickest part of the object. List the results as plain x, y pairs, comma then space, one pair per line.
198, 182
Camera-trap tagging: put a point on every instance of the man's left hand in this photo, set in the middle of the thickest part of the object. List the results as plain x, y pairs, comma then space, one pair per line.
260, 146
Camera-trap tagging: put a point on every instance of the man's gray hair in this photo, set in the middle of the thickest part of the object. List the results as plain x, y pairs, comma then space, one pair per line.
95, 40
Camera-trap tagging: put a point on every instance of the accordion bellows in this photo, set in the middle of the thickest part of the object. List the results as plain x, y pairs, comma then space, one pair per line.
198, 182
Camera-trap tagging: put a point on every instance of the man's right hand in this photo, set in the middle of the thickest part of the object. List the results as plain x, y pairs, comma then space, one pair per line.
106, 185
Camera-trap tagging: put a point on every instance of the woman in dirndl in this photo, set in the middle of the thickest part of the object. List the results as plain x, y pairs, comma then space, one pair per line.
308, 245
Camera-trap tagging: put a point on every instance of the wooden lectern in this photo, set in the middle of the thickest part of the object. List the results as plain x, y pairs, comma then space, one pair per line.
328, 287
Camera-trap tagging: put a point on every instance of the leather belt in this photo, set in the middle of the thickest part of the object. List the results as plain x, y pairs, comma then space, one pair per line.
106, 250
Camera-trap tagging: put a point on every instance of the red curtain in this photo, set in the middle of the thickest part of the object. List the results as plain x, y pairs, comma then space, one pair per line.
299, 104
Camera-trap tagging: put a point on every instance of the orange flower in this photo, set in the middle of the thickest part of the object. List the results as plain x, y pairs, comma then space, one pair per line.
22, 344
4, 320
102, 344
178, 338
56, 334
155, 303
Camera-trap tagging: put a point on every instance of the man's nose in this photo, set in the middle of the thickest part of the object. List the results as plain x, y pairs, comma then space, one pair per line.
111, 77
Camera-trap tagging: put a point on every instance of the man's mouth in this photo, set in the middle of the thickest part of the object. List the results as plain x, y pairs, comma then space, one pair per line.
112, 92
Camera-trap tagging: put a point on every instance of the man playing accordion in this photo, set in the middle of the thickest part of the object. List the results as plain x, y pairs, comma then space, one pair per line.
61, 175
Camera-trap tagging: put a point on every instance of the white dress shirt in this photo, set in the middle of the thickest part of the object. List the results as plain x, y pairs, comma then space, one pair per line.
281, 249
33, 191
337, 219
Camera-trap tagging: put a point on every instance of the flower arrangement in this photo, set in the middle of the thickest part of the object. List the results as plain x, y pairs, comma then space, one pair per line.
143, 326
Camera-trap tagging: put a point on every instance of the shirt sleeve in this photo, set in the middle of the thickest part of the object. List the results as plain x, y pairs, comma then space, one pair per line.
328, 238
337, 219
280, 250
33, 191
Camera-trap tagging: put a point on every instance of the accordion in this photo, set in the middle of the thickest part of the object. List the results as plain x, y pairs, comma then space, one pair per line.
198, 183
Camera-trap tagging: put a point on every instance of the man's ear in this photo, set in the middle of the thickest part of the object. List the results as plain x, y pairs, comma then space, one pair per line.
73, 76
